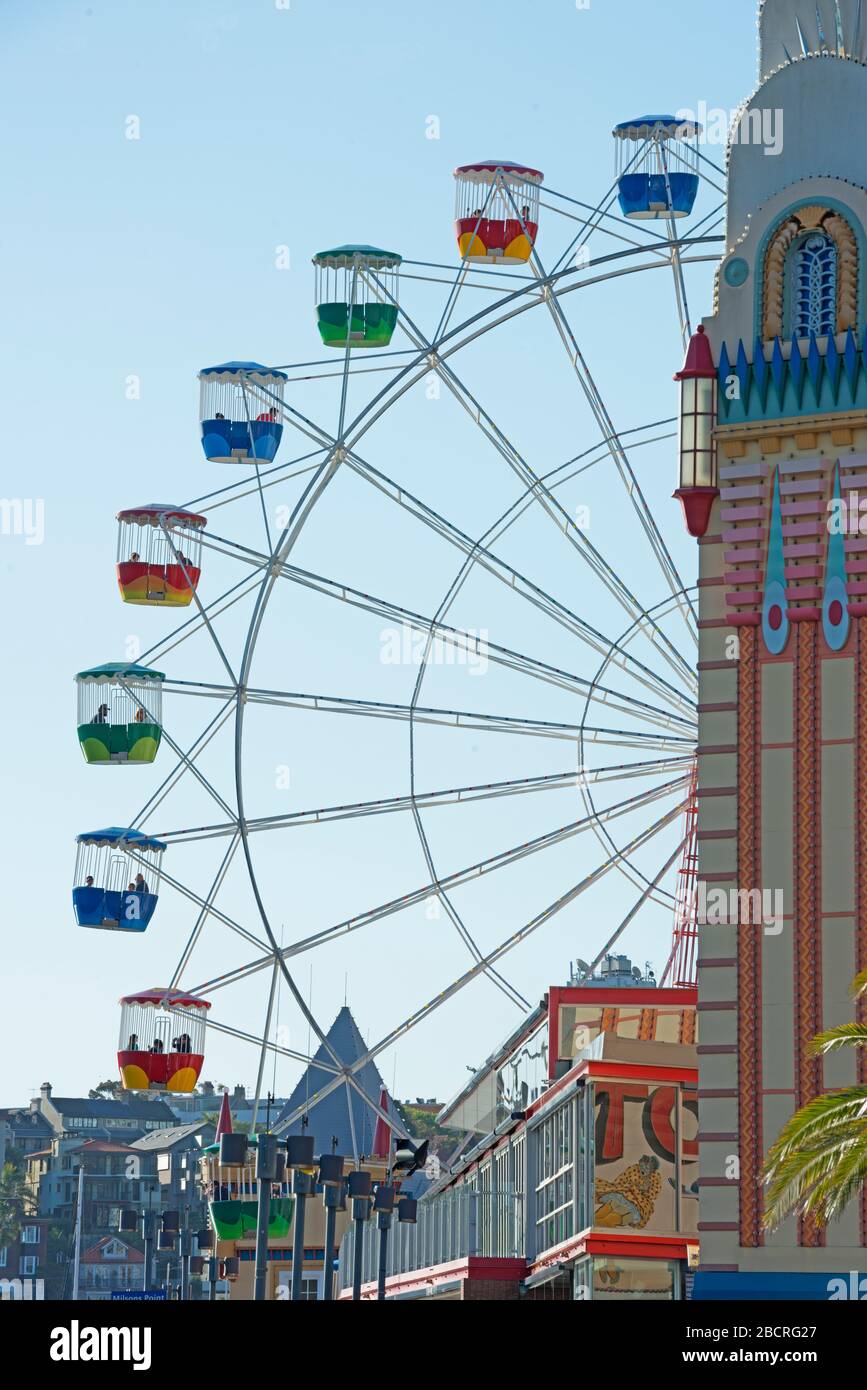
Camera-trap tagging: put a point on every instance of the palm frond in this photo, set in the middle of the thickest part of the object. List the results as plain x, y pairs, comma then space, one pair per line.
859, 984
819, 1161
845, 1035
816, 1119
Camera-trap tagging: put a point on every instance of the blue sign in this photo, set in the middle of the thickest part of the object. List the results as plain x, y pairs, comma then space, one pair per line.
139, 1295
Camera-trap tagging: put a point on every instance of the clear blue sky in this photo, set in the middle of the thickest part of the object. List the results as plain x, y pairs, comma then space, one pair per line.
260, 127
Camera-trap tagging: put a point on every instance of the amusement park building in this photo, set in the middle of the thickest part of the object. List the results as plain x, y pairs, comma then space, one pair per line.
578, 1172
776, 383
341, 1122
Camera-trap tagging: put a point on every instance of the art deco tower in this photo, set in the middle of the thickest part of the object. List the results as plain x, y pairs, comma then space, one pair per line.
783, 653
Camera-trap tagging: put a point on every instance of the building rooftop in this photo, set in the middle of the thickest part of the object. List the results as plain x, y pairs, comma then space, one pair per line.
83, 1107
343, 1114
95, 1254
167, 1138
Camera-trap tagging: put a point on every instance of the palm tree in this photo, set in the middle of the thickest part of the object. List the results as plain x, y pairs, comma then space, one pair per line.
15, 1203
819, 1162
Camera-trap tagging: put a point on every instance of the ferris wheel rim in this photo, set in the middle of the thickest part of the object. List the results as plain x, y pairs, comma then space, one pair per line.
325, 473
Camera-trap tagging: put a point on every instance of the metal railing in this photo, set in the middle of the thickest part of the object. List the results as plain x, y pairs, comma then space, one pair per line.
450, 1227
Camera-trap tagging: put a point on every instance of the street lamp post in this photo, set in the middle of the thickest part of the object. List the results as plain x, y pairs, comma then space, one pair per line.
266, 1173
383, 1205
334, 1200
299, 1158
359, 1186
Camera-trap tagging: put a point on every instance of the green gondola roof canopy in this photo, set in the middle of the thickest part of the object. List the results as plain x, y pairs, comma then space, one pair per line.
230, 369
115, 671
154, 512
118, 836
344, 257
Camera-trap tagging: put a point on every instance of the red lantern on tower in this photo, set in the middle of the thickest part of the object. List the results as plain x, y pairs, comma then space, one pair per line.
698, 408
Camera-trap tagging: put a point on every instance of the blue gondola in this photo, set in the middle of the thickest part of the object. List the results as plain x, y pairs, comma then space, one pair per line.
657, 166
114, 889
240, 410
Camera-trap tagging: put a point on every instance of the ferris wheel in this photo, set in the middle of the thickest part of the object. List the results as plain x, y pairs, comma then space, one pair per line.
480, 658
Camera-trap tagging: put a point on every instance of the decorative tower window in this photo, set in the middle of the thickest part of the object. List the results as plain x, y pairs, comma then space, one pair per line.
811, 274
813, 286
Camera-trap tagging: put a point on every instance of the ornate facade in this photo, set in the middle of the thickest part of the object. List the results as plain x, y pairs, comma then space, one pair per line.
782, 783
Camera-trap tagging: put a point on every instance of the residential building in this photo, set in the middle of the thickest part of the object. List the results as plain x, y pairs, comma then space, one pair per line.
109, 1264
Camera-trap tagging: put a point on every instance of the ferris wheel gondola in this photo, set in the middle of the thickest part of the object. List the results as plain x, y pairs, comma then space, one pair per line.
240, 408
110, 889
119, 713
657, 167
497, 211
159, 551
162, 1040
356, 296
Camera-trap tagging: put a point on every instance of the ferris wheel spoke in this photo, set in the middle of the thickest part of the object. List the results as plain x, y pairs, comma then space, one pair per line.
550, 504
499, 981
462, 719
519, 301
645, 895
676, 265
263, 1050
212, 910
215, 609
593, 223
471, 644
185, 762
324, 815
618, 453
513, 578
203, 614
279, 473
509, 944
268, 1046
204, 913
453, 880
347, 1079
463, 268
190, 766
485, 866
588, 227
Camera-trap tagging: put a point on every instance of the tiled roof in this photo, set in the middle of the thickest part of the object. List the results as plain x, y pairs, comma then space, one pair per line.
165, 1138
95, 1254
102, 1146
112, 1109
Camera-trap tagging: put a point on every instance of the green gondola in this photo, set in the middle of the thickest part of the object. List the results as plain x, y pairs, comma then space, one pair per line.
356, 296
119, 713
236, 1219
